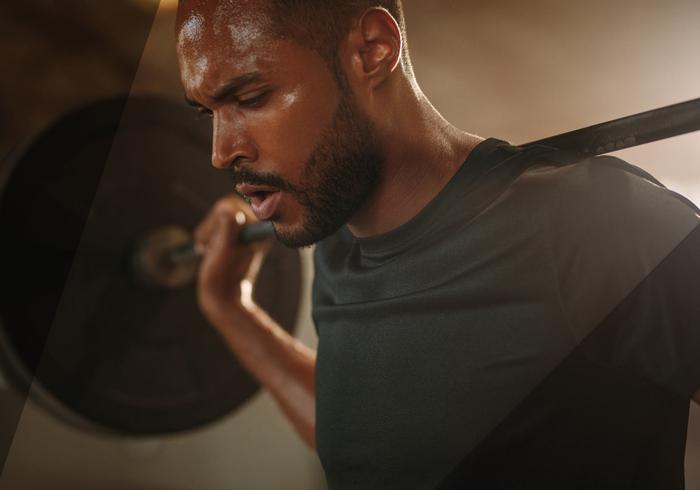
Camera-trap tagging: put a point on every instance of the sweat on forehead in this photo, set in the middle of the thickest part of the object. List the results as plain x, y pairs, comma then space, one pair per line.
240, 20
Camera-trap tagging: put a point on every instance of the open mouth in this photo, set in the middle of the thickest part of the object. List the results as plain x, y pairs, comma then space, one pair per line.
263, 200
258, 196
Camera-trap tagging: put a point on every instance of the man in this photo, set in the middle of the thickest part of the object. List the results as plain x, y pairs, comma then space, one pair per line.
488, 317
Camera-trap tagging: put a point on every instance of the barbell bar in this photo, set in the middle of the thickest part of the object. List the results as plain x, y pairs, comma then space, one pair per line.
617, 134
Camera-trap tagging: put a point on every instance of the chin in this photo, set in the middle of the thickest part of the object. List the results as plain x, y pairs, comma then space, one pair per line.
296, 235
290, 235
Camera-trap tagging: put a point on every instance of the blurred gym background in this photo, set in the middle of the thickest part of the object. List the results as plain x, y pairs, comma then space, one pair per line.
515, 70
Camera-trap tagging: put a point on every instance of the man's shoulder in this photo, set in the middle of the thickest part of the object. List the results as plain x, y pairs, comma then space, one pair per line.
603, 188
560, 199
590, 178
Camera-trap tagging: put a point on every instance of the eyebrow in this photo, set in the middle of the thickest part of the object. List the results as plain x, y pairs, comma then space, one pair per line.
231, 86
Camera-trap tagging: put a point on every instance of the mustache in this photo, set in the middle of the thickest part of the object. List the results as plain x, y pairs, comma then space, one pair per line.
242, 175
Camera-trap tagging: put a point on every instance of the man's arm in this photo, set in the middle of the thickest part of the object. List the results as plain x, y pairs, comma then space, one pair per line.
278, 361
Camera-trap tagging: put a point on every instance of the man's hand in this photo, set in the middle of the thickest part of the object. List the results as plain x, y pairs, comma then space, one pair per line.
277, 360
227, 265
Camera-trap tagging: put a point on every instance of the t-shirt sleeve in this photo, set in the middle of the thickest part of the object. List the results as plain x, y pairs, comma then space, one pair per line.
627, 253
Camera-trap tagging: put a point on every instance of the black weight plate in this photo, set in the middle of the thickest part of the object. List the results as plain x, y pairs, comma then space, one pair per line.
120, 356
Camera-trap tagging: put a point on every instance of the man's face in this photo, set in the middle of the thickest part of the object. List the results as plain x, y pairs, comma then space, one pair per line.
298, 147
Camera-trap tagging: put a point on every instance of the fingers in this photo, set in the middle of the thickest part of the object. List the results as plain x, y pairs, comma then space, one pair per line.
231, 207
222, 239
226, 264
219, 248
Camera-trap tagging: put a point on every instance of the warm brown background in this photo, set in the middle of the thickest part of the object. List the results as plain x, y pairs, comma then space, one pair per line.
511, 69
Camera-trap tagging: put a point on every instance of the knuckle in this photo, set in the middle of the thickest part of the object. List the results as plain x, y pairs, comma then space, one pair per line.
222, 206
229, 206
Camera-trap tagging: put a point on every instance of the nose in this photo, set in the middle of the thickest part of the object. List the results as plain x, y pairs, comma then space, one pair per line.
231, 142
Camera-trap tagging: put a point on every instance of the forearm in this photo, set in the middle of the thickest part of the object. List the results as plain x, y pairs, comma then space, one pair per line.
278, 361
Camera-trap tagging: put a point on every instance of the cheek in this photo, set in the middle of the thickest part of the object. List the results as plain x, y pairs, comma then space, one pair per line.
290, 130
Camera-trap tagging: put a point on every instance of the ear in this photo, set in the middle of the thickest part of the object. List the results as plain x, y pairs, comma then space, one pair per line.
375, 43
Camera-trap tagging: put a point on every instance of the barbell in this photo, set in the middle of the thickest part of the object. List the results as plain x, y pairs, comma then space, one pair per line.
99, 347
98, 311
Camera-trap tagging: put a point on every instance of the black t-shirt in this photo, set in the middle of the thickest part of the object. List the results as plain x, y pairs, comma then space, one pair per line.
536, 325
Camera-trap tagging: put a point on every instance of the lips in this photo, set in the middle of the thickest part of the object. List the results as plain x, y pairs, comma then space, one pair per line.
264, 200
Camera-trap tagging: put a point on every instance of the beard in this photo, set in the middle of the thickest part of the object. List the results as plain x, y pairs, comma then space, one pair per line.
339, 176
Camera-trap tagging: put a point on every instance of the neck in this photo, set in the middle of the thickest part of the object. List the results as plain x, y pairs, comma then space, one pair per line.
422, 153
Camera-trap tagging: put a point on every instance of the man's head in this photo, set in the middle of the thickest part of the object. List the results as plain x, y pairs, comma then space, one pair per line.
294, 89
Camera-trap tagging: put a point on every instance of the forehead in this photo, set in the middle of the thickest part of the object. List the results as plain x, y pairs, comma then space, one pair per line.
213, 24
220, 39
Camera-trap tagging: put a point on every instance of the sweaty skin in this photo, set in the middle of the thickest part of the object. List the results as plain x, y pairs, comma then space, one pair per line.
271, 102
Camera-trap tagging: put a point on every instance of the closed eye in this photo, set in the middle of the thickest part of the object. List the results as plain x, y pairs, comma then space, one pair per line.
255, 101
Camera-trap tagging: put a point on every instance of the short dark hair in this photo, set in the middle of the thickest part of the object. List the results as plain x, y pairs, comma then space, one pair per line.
322, 24
319, 25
